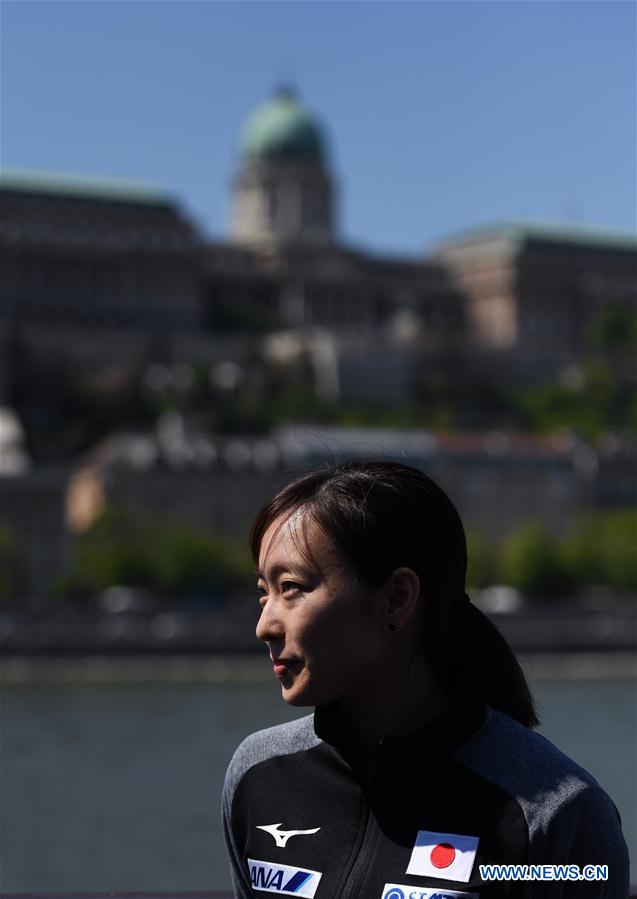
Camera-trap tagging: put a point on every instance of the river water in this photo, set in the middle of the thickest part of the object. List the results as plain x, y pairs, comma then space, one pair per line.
117, 786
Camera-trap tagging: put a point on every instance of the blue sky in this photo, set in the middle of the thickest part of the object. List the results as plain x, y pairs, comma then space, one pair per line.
440, 115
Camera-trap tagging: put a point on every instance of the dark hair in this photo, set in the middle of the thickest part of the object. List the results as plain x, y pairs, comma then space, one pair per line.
383, 515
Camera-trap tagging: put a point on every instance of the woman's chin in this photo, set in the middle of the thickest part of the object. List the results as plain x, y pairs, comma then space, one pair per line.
297, 701
294, 694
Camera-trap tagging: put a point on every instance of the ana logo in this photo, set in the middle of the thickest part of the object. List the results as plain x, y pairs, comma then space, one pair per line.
282, 836
272, 878
402, 891
448, 856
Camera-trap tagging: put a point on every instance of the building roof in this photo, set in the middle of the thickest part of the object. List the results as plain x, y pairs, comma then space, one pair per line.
519, 232
80, 186
282, 128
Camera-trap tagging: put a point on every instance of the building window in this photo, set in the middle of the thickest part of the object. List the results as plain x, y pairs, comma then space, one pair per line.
272, 205
313, 211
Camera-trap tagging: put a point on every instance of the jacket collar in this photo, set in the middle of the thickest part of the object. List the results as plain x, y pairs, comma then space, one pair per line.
441, 736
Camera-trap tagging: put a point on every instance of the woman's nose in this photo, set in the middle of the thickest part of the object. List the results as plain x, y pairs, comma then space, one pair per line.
269, 625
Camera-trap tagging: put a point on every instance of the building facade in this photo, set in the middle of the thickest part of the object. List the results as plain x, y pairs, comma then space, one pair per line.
95, 273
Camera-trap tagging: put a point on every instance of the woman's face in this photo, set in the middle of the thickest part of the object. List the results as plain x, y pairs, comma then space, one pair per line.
323, 630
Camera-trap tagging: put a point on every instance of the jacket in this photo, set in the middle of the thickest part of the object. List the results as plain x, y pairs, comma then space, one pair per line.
472, 788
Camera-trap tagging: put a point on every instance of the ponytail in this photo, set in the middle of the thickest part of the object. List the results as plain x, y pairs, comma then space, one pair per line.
462, 646
498, 672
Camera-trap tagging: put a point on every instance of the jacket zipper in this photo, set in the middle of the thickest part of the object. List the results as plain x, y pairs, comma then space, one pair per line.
359, 866
363, 856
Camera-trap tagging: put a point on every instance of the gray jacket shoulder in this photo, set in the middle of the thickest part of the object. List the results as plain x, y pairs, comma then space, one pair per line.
570, 819
546, 783
282, 739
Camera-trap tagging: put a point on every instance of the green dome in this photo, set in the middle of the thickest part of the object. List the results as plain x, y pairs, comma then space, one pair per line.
282, 128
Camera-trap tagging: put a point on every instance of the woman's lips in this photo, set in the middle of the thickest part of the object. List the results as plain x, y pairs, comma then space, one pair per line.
281, 667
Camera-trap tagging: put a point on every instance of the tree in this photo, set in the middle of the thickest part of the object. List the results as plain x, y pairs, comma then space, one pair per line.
171, 559
9, 565
603, 550
531, 561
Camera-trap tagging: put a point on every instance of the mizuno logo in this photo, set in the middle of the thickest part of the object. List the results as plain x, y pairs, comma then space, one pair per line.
282, 836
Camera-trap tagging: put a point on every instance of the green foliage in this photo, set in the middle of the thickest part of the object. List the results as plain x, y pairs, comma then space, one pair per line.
601, 399
603, 550
401, 415
579, 554
601, 402
440, 406
189, 561
9, 565
114, 551
615, 330
530, 560
617, 550
125, 547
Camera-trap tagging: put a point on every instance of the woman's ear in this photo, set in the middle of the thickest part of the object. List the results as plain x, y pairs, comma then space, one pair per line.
402, 593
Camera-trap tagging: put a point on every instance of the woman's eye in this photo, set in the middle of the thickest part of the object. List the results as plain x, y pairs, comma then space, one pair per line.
261, 591
290, 587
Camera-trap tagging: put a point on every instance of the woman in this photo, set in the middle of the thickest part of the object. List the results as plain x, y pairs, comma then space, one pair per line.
419, 764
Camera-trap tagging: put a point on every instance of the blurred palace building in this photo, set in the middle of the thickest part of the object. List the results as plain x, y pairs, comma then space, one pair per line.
102, 277
94, 272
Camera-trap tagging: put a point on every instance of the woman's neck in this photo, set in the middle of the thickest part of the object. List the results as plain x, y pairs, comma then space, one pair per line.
404, 700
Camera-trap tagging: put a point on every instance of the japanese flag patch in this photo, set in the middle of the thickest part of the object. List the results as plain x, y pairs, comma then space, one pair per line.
448, 856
